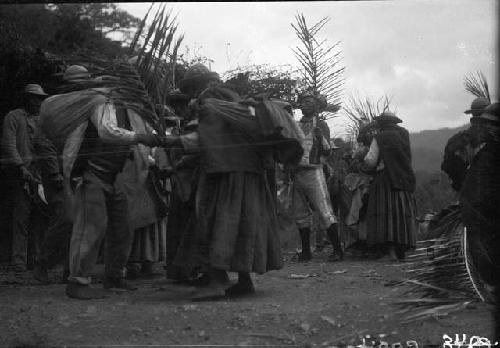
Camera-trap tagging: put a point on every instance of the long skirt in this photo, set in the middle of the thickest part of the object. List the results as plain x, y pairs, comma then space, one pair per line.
149, 243
391, 215
236, 224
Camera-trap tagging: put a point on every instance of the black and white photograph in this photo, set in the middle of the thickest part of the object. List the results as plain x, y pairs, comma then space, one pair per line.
250, 174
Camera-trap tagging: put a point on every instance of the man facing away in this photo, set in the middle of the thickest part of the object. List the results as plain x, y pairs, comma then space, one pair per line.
310, 190
19, 128
58, 233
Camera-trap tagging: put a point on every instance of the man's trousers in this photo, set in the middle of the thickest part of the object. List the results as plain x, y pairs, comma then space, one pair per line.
310, 194
101, 211
55, 246
28, 220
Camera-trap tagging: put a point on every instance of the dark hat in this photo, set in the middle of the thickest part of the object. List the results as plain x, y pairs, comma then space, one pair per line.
197, 73
491, 113
478, 105
176, 96
321, 99
34, 89
387, 117
75, 73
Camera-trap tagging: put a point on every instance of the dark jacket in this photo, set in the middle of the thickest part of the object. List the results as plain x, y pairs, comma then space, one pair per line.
395, 151
225, 146
102, 158
17, 139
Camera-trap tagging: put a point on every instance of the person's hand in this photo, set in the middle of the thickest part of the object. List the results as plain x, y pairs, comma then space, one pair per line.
57, 181
26, 175
169, 141
150, 140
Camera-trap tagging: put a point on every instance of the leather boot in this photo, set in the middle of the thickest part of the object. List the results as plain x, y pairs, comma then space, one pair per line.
334, 235
305, 236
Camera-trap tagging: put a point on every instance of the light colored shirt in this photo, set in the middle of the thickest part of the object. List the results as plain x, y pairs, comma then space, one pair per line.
372, 157
104, 119
308, 129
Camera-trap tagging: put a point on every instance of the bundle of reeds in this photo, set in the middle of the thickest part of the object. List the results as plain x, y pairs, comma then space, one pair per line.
321, 71
477, 85
141, 82
361, 111
443, 276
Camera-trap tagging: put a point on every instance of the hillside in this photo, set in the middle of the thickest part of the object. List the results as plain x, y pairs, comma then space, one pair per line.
433, 191
428, 147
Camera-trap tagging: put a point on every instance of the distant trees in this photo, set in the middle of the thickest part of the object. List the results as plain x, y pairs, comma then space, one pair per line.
275, 81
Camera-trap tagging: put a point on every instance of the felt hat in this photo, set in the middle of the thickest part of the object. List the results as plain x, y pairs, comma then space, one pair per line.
478, 105
176, 96
34, 89
75, 72
197, 74
491, 113
321, 99
387, 117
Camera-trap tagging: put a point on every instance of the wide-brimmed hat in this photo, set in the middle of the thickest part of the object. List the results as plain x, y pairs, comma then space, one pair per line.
197, 74
387, 117
478, 105
490, 114
33, 88
321, 99
75, 73
176, 96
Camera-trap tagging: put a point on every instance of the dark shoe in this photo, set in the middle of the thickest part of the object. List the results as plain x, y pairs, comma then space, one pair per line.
319, 248
202, 280
41, 274
304, 256
83, 292
335, 257
20, 268
240, 289
117, 283
147, 268
133, 274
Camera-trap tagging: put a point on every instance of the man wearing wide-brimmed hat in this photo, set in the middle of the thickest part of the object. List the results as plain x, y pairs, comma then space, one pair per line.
58, 234
457, 151
19, 128
196, 79
59, 228
310, 189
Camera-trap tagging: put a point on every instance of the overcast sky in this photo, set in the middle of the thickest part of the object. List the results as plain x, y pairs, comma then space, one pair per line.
415, 51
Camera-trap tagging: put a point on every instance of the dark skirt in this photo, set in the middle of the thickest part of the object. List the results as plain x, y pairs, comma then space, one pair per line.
149, 243
236, 224
391, 216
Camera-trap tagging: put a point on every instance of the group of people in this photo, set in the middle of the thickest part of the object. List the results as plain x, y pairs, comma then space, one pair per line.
87, 161
100, 173
370, 188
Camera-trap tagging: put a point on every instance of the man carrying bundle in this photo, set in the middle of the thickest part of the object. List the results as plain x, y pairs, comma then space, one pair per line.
99, 139
310, 189
235, 212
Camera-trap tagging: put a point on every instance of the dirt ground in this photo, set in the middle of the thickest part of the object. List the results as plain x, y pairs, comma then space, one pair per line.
312, 304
